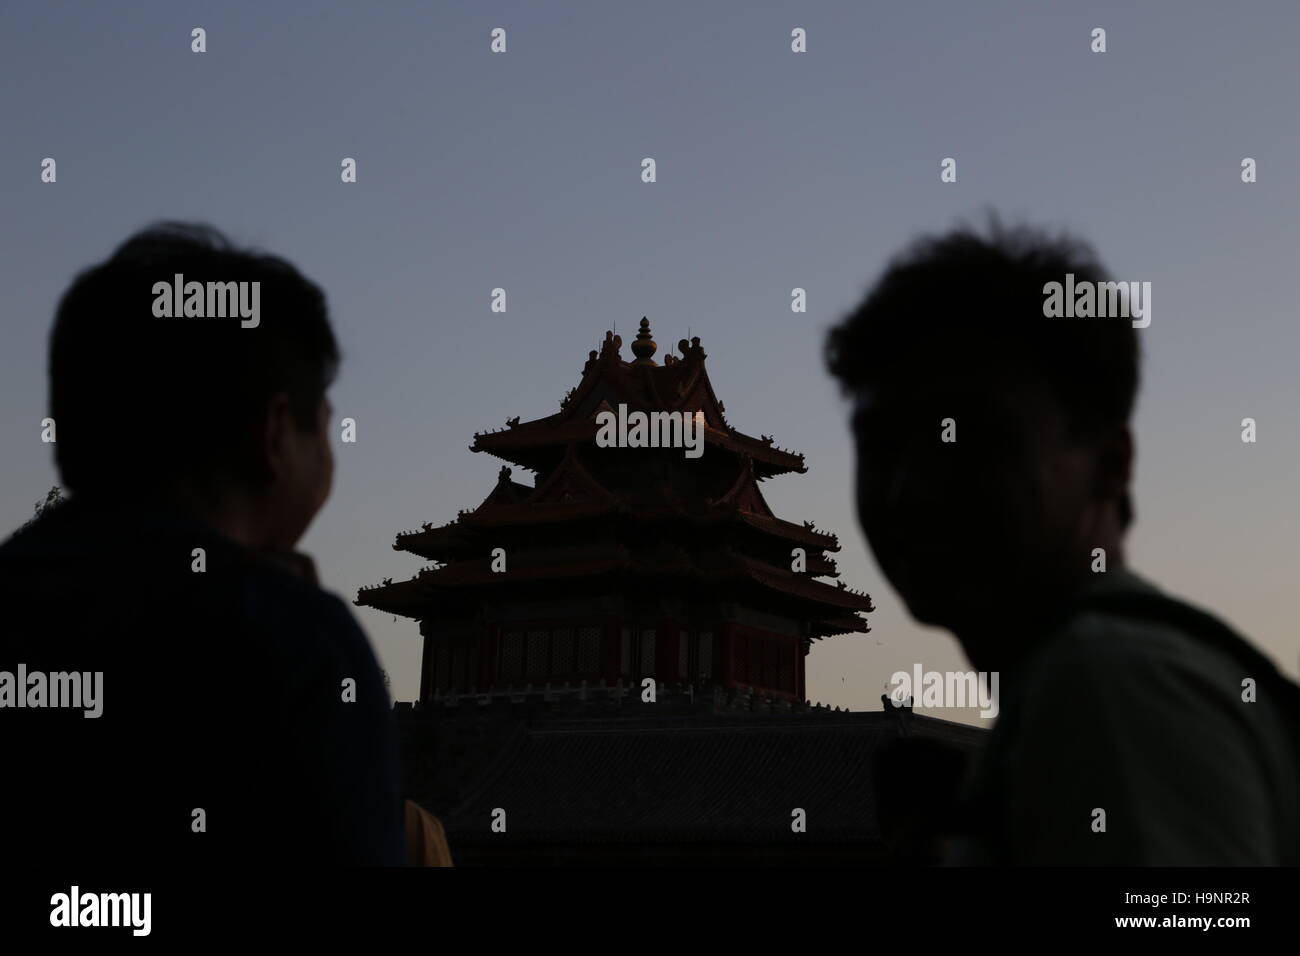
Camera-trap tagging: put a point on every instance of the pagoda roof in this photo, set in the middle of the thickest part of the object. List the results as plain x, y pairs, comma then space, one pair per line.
572, 493
679, 385
837, 612
646, 525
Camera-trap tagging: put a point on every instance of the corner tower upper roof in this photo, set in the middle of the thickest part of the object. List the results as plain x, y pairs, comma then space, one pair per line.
680, 384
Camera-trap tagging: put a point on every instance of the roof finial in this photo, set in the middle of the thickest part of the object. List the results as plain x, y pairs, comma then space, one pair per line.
611, 345
644, 346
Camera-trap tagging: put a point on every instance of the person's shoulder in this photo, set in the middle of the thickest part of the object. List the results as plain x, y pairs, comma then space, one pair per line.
1148, 670
1105, 642
296, 609
1111, 643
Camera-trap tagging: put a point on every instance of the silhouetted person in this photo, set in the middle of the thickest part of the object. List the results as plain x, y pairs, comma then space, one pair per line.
1114, 696
244, 718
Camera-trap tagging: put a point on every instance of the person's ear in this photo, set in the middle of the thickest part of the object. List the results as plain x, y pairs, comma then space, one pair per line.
277, 444
1113, 464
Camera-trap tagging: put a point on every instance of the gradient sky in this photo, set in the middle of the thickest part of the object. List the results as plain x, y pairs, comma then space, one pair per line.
775, 170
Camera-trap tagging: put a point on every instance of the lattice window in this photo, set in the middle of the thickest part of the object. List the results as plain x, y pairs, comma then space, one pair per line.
786, 676
538, 665
704, 667
625, 657
562, 650
647, 656
512, 657
588, 650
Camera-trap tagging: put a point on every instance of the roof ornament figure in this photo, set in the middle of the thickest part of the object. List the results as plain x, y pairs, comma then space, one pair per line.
512, 422
611, 345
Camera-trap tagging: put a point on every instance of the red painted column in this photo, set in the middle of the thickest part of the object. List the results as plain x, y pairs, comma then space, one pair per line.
727, 653
613, 649
426, 666
667, 649
489, 645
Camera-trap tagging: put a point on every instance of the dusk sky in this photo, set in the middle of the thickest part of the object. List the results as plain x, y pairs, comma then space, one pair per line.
775, 170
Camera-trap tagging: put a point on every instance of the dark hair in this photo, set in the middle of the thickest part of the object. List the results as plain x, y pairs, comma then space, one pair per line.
981, 298
140, 400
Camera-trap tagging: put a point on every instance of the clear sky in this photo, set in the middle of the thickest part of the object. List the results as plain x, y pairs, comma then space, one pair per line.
775, 170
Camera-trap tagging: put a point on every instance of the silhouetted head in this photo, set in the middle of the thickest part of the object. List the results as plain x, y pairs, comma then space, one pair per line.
213, 409
952, 343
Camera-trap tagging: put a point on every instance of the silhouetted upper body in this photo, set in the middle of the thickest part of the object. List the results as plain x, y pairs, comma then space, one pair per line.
243, 719
994, 464
1124, 740
223, 691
